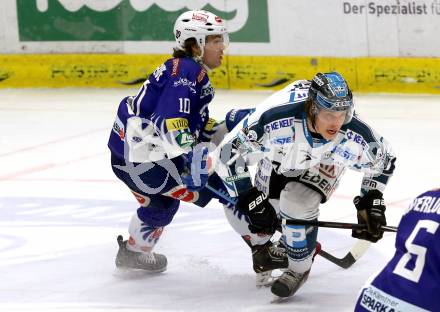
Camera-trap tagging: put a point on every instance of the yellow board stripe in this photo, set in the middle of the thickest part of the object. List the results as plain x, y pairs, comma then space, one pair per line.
364, 74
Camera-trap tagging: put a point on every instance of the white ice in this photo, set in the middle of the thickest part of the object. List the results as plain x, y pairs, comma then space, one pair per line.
61, 209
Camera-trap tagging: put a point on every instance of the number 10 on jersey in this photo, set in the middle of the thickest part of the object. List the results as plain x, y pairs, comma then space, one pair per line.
184, 105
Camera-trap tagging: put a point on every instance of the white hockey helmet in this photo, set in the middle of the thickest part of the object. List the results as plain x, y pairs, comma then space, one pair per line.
198, 24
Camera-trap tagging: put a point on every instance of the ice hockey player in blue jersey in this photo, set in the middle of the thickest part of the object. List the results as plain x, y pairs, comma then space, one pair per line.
155, 141
302, 138
411, 279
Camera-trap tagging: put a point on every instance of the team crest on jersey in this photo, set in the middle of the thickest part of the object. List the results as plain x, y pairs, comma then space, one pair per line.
159, 71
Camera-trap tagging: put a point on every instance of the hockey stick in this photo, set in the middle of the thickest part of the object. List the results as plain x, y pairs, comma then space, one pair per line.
345, 262
351, 257
221, 194
336, 225
356, 251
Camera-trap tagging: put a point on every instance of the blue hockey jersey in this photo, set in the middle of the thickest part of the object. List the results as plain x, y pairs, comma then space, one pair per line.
167, 115
411, 279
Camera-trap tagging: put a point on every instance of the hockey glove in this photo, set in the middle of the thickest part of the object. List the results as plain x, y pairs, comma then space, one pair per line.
195, 176
262, 216
370, 211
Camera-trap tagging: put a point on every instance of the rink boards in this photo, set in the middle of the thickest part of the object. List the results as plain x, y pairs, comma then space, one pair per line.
365, 74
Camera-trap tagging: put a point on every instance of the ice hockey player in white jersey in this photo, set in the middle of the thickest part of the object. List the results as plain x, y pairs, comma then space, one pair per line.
411, 279
303, 138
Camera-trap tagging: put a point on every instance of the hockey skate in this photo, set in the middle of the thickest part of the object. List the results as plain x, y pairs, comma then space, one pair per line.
266, 258
288, 283
148, 262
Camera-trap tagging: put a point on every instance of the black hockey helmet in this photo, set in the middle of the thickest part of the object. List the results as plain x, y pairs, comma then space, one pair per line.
330, 91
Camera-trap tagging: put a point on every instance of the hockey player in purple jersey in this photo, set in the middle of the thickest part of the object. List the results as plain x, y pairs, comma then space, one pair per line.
155, 141
411, 279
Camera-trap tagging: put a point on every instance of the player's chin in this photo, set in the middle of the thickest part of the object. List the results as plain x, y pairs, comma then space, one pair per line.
216, 64
330, 134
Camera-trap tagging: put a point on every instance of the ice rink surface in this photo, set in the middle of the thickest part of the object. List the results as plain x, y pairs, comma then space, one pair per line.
61, 209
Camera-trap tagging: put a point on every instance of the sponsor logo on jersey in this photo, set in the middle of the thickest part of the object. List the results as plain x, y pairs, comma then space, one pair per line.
207, 90
201, 75
175, 70
118, 128
278, 124
328, 170
176, 124
181, 193
355, 137
184, 139
210, 124
282, 140
237, 177
185, 82
344, 153
319, 181
374, 299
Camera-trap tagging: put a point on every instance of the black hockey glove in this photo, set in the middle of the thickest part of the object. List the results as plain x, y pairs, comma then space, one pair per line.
370, 211
261, 214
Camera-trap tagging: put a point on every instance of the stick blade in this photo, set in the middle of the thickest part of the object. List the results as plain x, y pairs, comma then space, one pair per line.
351, 257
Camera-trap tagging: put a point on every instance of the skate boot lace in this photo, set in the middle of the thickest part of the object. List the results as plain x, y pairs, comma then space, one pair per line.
277, 249
147, 258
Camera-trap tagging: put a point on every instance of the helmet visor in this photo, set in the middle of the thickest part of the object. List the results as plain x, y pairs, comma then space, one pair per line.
339, 105
217, 42
322, 103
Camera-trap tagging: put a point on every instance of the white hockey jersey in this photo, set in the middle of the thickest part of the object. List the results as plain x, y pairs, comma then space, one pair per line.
277, 132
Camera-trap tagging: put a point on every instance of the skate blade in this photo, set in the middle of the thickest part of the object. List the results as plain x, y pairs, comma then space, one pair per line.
264, 279
280, 300
129, 273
